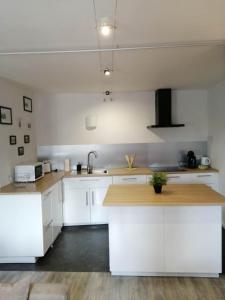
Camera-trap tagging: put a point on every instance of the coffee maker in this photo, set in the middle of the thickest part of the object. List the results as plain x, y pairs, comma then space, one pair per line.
191, 160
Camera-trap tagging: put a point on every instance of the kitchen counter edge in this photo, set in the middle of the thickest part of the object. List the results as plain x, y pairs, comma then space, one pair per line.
50, 179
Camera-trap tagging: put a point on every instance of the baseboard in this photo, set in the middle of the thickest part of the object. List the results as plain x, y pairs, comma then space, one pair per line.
165, 274
18, 260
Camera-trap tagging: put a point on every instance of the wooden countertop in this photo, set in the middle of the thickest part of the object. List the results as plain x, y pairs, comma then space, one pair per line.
51, 178
134, 171
148, 171
39, 186
174, 194
127, 171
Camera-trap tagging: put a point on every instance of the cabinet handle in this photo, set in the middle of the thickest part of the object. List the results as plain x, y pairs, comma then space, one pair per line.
93, 198
49, 224
173, 177
204, 175
89, 180
86, 198
130, 178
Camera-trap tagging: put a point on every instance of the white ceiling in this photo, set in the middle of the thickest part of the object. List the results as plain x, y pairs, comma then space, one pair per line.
42, 25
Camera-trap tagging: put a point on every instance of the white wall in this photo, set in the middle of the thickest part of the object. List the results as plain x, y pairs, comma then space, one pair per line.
11, 95
216, 143
60, 118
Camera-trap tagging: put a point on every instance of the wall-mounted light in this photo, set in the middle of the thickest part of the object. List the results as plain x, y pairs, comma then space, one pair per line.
107, 72
91, 122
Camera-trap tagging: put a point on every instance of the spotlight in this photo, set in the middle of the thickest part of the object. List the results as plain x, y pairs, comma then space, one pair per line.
105, 29
107, 72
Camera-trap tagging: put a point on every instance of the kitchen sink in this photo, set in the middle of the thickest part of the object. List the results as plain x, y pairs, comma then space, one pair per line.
99, 171
94, 172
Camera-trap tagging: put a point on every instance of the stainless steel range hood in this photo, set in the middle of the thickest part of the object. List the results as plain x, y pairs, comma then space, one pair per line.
163, 110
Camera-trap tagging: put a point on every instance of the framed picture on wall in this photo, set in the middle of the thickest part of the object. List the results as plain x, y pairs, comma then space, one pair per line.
20, 151
5, 115
26, 139
12, 140
27, 104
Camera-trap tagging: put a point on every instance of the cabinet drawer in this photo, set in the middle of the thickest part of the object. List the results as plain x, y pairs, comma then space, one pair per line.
204, 178
129, 179
179, 178
90, 182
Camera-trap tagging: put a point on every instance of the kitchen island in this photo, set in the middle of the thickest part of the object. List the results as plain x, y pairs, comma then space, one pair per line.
176, 233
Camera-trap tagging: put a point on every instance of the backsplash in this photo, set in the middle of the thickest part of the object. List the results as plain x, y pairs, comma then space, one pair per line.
112, 155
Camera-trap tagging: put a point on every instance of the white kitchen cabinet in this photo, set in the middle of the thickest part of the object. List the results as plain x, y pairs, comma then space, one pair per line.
179, 178
176, 178
99, 213
194, 232
28, 224
47, 199
165, 240
136, 239
57, 210
210, 179
83, 199
52, 214
76, 206
129, 179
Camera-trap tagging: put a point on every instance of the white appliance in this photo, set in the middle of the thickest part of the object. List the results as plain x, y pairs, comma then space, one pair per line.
47, 166
29, 172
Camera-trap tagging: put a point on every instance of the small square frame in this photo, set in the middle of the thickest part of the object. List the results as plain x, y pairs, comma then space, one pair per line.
26, 139
27, 104
5, 115
20, 151
12, 139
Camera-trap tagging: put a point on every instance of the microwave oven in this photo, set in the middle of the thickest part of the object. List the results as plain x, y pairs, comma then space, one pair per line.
29, 172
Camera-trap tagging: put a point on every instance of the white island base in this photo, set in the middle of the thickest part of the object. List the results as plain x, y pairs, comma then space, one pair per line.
165, 240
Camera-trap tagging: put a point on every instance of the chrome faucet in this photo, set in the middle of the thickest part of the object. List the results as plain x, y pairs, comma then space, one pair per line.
89, 166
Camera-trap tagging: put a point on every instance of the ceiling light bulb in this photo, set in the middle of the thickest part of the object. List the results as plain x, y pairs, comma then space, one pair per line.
107, 72
105, 29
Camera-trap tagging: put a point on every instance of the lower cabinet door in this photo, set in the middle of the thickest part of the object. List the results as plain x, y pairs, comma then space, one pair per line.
57, 210
136, 240
47, 235
76, 208
99, 213
193, 239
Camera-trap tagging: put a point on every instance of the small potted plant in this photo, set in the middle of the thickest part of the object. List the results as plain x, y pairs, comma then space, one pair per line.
158, 180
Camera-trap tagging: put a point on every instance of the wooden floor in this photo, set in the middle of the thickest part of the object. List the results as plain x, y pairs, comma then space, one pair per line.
102, 286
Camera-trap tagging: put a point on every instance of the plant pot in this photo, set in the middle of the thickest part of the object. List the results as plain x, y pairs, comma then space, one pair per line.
158, 188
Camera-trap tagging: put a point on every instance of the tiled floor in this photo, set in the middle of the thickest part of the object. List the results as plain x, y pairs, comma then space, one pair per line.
78, 249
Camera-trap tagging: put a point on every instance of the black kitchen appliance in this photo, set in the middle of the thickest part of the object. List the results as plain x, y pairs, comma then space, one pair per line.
191, 160
163, 110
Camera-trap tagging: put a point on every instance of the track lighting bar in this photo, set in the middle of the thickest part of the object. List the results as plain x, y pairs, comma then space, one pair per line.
118, 48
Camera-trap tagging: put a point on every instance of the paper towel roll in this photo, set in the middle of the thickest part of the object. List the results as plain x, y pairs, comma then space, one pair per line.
66, 165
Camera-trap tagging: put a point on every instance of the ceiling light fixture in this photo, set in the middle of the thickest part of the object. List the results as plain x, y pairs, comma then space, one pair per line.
107, 72
107, 96
106, 29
